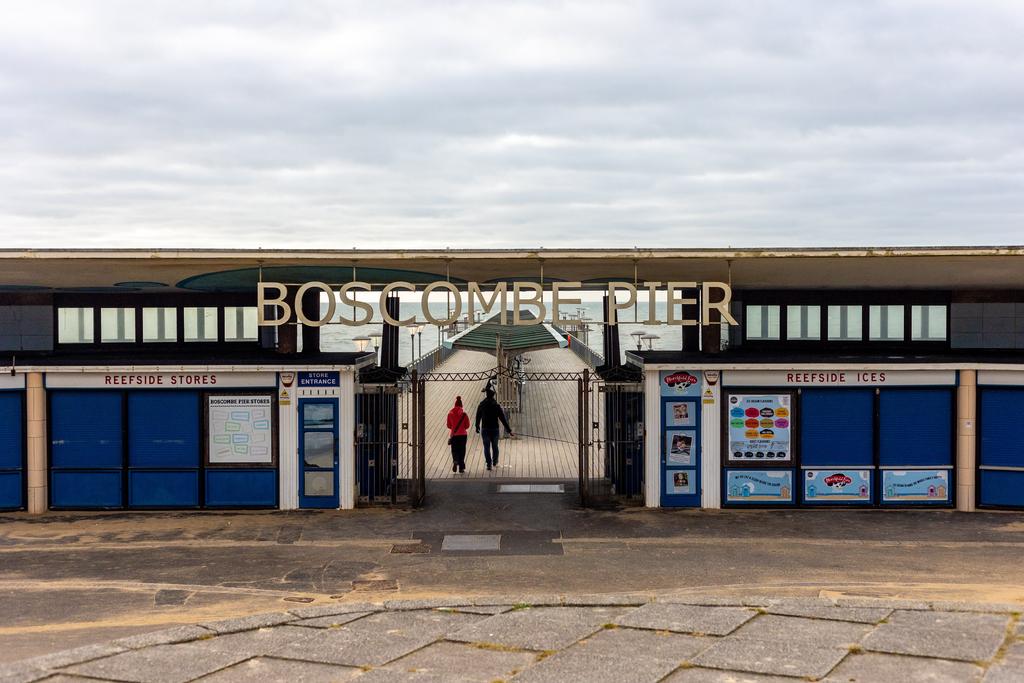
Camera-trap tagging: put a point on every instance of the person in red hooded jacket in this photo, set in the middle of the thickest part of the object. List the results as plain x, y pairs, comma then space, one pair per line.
458, 433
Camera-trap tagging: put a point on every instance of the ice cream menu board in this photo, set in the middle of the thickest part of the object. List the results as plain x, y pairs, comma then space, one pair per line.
759, 428
240, 429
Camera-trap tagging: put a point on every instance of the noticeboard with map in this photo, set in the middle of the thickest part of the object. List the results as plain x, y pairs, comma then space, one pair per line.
240, 429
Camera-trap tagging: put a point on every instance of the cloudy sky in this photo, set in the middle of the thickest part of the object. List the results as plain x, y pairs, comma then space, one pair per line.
511, 124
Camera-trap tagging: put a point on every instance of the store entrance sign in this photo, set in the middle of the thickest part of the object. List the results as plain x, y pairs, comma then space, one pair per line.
319, 379
838, 378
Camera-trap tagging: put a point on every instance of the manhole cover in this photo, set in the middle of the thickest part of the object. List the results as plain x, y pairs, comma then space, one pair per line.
374, 585
471, 542
410, 548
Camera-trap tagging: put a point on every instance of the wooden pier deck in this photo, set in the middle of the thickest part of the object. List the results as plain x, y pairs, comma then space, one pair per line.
546, 443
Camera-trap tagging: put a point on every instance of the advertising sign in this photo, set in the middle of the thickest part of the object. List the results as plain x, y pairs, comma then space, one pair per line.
759, 486
240, 429
680, 414
159, 380
829, 486
679, 446
838, 378
915, 486
759, 428
680, 482
679, 383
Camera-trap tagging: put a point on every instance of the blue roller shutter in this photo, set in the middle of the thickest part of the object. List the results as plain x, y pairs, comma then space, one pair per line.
915, 435
837, 427
163, 449
1001, 447
12, 456
86, 449
916, 428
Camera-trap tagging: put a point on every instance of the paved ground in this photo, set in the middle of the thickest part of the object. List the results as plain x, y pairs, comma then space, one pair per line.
606, 638
72, 580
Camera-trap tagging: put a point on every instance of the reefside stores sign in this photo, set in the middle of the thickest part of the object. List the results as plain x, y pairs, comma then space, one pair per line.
713, 296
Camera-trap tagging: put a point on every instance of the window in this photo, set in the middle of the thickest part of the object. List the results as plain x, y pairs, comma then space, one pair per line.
117, 325
159, 324
200, 324
75, 325
803, 322
762, 322
928, 323
885, 323
845, 323
240, 323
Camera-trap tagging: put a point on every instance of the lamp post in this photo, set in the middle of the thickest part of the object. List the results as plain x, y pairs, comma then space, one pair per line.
412, 341
638, 338
361, 343
419, 338
375, 338
649, 338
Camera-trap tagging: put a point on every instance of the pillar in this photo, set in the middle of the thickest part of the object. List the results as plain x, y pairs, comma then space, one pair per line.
966, 421
35, 401
652, 439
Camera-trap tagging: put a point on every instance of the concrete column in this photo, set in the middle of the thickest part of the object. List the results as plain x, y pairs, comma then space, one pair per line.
35, 402
966, 421
347, 441
652, 439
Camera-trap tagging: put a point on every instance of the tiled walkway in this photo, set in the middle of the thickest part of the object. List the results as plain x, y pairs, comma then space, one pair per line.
546, 443
603, 638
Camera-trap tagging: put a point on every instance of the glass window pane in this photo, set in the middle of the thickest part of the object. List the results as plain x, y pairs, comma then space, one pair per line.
318, 415
240, 323
885, 323
117, 324
200, 324
763, 322
318, 449
159, 324
803, 322
316, 483
75, 326
845, 323
928, 323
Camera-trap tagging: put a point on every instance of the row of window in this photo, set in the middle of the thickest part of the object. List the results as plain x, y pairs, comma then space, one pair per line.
885, 323
159, 324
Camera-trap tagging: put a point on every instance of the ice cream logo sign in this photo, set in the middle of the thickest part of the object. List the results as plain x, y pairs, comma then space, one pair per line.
837, 481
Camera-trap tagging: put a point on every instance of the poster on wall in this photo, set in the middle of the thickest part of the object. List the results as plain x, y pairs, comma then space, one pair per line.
240, 429
915, 486
679, 448
759, 427
679, 383
837, 486
759, 486
680, 414
680, 482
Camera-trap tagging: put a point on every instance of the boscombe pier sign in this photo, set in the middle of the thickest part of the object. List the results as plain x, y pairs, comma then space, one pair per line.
713, 296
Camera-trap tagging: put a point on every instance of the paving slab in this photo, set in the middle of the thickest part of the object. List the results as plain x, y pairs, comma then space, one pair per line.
270, 670
630, 643
539, 628
780, 656
180, 634
250, 622
963, 636
337, 608
160, 664
574, 665
258, 641
822, 631
465, 661
870, 667
718, 621
331, 621
699, 675
477, 609
820, 609
59, 660
377, 639
1010, 666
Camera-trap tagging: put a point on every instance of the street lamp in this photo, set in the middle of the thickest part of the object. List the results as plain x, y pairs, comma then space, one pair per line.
412, 341
419, 338
375, 338
649, 338
637, 337
361, 343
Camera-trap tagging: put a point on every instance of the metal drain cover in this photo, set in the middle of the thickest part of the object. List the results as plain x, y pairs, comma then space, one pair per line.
471, 542
531, 488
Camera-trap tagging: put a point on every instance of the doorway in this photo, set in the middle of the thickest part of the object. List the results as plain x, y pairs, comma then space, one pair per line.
318, 453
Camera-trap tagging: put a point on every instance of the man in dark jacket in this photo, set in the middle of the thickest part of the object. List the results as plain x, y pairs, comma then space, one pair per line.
489, 416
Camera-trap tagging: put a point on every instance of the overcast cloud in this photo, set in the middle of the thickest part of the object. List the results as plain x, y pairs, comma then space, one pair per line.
511, 124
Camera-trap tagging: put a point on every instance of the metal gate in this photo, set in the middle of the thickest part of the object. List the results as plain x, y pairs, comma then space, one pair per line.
390, 436
389, 443
611, 418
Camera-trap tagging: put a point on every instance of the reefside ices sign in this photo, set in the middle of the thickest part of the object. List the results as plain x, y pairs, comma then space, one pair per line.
714, 296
